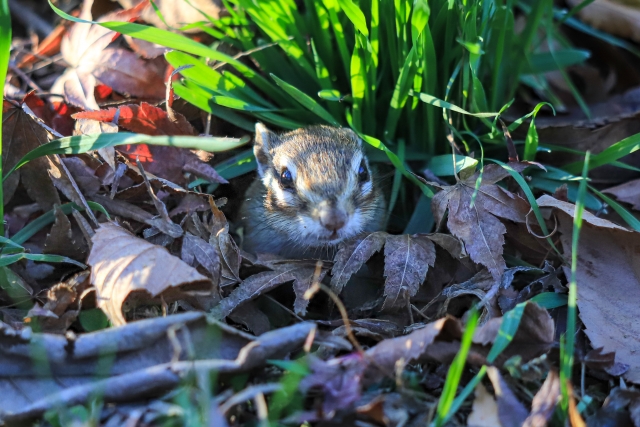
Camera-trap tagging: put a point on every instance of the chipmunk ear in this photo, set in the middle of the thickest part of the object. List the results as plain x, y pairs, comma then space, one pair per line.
263, 143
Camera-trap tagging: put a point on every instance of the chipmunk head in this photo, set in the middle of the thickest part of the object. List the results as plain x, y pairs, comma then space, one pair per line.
319, 185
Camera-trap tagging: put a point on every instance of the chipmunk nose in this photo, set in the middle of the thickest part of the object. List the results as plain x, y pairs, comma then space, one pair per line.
333, 219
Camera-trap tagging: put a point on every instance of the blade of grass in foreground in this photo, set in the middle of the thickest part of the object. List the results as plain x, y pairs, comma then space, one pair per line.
508, 329
566, 353
5, 51
611, 154
48, 218
84, 143
455, 372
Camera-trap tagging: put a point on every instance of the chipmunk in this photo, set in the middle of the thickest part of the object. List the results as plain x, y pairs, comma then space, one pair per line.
315, 189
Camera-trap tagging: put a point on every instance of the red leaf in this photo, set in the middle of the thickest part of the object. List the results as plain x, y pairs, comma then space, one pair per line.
143, 118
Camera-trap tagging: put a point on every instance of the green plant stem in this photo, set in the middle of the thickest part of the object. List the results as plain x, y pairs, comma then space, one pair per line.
569, 339
5, 52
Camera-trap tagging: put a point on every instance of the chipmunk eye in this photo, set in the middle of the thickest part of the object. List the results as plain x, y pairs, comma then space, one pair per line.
363, 172
286, 179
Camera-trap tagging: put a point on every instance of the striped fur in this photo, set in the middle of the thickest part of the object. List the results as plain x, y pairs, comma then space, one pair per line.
323, 162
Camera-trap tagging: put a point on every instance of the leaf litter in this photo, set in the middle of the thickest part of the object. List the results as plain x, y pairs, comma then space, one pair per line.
170, 291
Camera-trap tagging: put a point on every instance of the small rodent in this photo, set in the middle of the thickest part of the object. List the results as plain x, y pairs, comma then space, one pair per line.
315, 189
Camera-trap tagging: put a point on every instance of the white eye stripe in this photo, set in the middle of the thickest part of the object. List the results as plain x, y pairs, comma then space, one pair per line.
355, 162
367, 187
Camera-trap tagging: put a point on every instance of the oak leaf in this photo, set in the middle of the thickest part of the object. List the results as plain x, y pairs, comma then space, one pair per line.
475, 221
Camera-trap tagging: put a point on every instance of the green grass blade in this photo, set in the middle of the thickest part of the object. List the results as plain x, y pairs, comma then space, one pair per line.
550, 300
455, 372
566, 354
306, 101
625, 214
202, 99
5, 52
355, 15
48, 218
546, 61
432, 100
614, 152
508, 329
84, 143
400, 94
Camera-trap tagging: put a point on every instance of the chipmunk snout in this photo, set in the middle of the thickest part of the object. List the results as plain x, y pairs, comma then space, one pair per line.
333, 219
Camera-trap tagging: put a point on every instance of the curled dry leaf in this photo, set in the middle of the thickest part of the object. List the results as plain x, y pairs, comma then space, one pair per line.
477, 223
122, 263
608, 277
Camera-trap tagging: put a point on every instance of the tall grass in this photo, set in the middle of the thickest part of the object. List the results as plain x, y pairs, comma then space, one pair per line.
5, 52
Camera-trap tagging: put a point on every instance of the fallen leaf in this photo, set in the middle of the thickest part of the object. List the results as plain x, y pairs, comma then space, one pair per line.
170, 163
302, 275
510, 411
484, 409
84, 48
198, 251
123, 264
544, 402
351, 257
608, 259
61, 240
22, 133
406, 261
629, 192
477, 224
619, 18
143, 118
153, 355
177, 14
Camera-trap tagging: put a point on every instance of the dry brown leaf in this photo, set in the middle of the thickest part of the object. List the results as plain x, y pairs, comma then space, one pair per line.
177, 14
229, 252
608, 279
629, 192
478, 225
61, 240
84, 48
406, 261
302, 275
615, 17
484, 410
352, 256
544, 402
510, 411
21, 133
197, 251
122, 263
